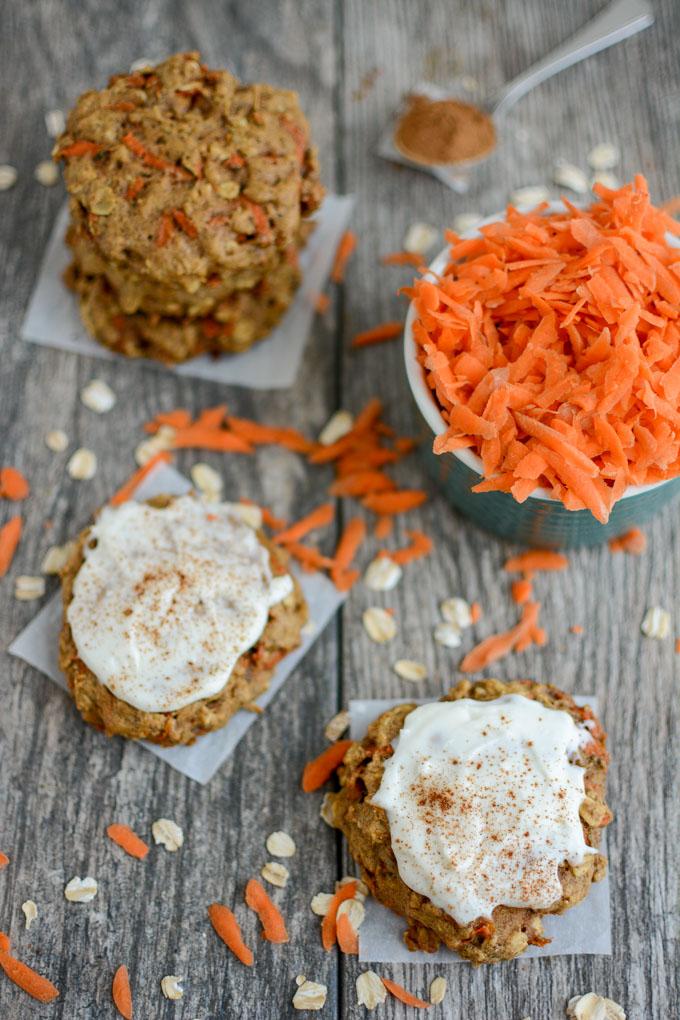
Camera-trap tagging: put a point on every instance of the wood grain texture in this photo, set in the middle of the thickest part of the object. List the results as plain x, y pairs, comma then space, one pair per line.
61, 783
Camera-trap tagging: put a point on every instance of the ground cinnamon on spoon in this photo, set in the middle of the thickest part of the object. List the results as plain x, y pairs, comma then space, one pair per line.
443, 131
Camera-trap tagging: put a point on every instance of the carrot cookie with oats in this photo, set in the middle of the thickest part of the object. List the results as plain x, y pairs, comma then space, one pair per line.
474, 816
175, 615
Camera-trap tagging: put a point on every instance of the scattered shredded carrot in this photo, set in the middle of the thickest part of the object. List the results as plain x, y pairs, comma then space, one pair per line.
10, 536
13, 485
499, 645
536, 559
121, 993
475, 612
25, 977
394, 502
128, 841
309, 557
271, 919
576, 628
421, 545
552, 344
320, 770
348, 243
329, 922
352, 536
151, 159
319, 518
362, 483
322, 303
227, 927
4, 860
348, 940
403, 258
196, 437
5, 945
256, 434
383, 526
522, 591
677, 645
180, 418
79, 148
379, 334
399, 992
127, 490
212, 417
184, 223
633, 541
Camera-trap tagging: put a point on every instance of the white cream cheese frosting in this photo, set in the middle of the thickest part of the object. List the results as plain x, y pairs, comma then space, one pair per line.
482, 800
167, 599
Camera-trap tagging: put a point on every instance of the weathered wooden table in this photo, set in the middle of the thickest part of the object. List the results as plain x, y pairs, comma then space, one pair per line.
61, 782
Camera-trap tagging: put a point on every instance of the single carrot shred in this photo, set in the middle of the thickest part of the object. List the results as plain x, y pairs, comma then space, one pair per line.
227, 927
197, 437
383, 526
348, 243
165, 230
378, 334
309, 557
394, 502
522, 591
403, 258
320, 769
322, 303
79, 148
271, 919
536, 559
258, 434
633, 541
25, 977
348, 940
352, 536
329, 922
121, 993
475, 612
13, 485
138, 149
127, 490
421, 545
677, 646
362, 483
321, 517
5, 945
184, 223
399, 992
10, 536
127, 840
552, 345
4, 860
134, 189
180, 418
576, 628
497, 646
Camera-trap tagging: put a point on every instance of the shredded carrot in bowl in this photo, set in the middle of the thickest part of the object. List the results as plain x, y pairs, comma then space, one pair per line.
552, 346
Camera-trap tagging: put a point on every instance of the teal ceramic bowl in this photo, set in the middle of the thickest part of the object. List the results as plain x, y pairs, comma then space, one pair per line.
541, 521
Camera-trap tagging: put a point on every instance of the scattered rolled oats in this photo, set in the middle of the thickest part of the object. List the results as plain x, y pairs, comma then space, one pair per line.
280, 844
604, 156
456, 611
98, 396
447, 634
437, 990
566, 175
608, 179
82, 465
531, 195
28, 588
355, 910
420, 237
157, 443
46, 173
8, 176
30, 912
325, 811
167, 832
371, 992
336, 726
656, 623
81, 890
383, 574
320, 903
379, 625
594, 1007
56, 440
56, 558
207, 481
466, 221
170, 986
408, 669
310, 995
300, 980
275, 873
337, 426
55, 122
469, 83
250, 514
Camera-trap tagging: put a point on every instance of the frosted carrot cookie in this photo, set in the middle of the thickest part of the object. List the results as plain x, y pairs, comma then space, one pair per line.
475, 816
175, 615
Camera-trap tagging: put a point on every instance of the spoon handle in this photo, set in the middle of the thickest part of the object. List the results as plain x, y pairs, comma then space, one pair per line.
617, 21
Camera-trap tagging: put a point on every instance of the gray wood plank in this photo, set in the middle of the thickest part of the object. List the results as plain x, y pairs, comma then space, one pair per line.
611, 97
62, 783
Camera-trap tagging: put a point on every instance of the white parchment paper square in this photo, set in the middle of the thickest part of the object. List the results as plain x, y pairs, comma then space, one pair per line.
585, 929
38, 645
53, 319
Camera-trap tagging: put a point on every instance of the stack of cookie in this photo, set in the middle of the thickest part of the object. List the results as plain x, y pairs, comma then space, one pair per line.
189, 197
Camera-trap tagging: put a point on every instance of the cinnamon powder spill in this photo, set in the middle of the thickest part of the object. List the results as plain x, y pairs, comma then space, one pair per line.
443, 131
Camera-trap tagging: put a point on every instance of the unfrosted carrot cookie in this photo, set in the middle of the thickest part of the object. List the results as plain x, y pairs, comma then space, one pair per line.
175, 615
475, 816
